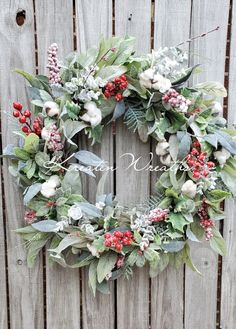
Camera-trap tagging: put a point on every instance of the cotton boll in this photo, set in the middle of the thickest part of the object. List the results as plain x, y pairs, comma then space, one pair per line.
222, 156
51, 108
160, 83
217, 108
166, 159
146, 77
54, 181
162, 148
93, 114
47, 190
75, 212
189, 189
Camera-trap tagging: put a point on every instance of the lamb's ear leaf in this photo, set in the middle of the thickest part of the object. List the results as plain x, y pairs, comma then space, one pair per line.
185, 77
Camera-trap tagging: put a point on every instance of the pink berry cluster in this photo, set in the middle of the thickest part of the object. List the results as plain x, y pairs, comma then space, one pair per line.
175, 100
158, 215
118, 239
30, 216
205, 222
120, 261
54, 141
198, 163
53, 65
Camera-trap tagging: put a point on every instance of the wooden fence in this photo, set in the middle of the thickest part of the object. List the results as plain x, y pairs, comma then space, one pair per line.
57, 298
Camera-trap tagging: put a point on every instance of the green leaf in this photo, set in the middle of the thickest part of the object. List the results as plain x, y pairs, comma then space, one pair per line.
93, 276
31, 143
211, 139
34, 248
71, 128
21, 154
177, 221
47, 225
41, 158
89, 158
151, 255
119, 110
31, 78
110, 72
159, 266
107, 106
173, 246
72, 182
105, 265
217, 243
217, 195
184, 144
31, 192
213, 88
132, 258
185, 77
68, 241
89, 209
197, 229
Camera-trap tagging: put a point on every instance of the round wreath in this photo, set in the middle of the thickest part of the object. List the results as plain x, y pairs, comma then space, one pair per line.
151, 95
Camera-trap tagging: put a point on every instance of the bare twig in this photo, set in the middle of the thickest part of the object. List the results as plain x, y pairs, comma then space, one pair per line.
198, 36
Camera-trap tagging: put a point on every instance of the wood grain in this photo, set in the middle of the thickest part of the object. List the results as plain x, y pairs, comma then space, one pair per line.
62, 285
94, 20
133, 18
17, 50
3, 282
171, 26
201, 291
228, 281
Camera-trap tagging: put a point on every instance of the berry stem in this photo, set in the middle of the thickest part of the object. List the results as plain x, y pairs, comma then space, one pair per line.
198, 36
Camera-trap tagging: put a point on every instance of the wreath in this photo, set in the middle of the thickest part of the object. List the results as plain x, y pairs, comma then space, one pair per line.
151, 95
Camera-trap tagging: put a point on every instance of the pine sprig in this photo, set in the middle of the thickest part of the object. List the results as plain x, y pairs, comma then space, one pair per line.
134, 118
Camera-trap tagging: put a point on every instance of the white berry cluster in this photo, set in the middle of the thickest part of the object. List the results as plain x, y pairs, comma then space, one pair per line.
53, 65
173, 99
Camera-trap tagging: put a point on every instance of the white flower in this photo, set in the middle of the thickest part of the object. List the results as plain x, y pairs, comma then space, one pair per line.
217, 108
146, 77
160, 83
48, 188
166, 159
222, 156
51, 108
75, 212
162, 148
100, 205
189, 189
93, 114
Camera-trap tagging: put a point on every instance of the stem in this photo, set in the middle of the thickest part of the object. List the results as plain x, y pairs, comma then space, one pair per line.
198, 36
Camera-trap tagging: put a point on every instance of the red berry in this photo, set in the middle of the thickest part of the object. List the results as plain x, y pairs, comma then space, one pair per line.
119, 97
107, 94
22, 119
25, 129
27, 113
107, 243
110, 86
191, 162
36, 125
124, 85
127, 241
194, 151
114, 239
128, 234
118, 234
123, 77
205, 173
210, 164
118, 246
17, 106
201, 157
196, 174
16, 114
107, 235
196, 144
117, 80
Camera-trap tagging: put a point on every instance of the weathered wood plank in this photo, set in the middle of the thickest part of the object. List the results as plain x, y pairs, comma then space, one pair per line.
3, 282
17, 50
93, 20
201, 291
171, 26
228, 288
62, 285
133, 18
